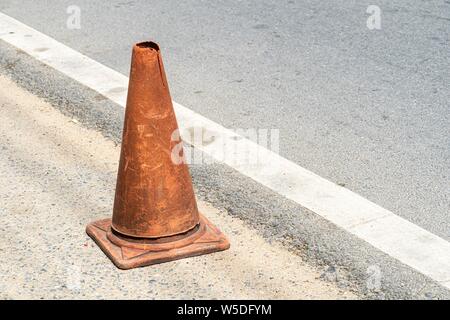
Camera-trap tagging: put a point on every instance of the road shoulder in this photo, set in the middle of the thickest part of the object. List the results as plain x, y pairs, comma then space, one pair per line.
57, 176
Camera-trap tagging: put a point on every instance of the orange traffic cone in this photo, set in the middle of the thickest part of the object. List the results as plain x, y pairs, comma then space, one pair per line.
155, 217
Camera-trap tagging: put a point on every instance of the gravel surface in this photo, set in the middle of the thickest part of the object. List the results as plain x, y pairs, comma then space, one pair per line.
56, 176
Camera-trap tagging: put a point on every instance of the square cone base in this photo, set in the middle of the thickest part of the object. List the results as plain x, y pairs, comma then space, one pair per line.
130, 254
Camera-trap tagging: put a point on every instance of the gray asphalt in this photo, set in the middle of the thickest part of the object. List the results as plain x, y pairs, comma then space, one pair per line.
368, 109
364, 108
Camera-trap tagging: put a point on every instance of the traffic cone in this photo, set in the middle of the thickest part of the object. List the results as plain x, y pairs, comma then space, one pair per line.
155, 216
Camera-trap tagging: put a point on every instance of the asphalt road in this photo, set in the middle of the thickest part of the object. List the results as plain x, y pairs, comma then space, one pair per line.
367, 109
364, 108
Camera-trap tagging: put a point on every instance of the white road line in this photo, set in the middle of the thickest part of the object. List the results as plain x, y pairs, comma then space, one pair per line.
401, 239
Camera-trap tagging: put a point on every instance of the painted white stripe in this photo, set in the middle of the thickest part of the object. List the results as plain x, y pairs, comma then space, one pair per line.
407, 242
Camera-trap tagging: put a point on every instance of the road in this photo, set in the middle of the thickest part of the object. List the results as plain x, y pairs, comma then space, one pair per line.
364, 108
58, 176
367, 109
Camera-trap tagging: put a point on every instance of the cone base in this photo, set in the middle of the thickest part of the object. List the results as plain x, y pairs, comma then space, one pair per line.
127, 254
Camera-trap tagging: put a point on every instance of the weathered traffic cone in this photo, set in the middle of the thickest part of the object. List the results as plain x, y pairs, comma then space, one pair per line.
155, 216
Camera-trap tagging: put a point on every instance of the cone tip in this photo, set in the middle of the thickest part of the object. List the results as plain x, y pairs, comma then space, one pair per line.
147, 45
